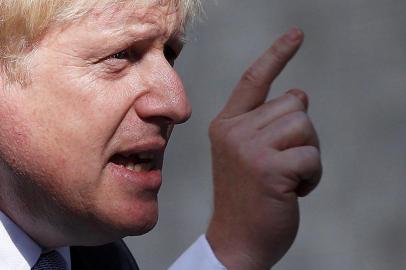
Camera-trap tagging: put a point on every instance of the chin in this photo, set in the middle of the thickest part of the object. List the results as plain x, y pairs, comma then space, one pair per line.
139, 226
105, 230
133, 220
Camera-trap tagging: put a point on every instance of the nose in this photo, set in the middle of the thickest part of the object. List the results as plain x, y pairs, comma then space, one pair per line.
165, 96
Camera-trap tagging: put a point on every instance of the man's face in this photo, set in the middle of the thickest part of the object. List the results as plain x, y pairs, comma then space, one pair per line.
82, 145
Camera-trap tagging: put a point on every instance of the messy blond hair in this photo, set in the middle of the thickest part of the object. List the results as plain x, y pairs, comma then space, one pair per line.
22, 22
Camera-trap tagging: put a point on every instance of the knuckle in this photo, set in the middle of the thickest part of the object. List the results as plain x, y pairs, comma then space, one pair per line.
300, 122
251, 77
312, 153
222, 133
213, 126
294, 102
215, 129
309, 157
278, 53
301, 125
312, 157
297, 91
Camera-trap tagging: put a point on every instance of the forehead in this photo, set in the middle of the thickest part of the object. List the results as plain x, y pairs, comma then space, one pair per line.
164, 15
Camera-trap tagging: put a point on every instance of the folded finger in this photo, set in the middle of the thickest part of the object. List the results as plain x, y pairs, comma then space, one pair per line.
276, 108
289, 131
304, 165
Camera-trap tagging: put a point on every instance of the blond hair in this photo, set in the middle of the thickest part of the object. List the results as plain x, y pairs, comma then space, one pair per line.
22, 22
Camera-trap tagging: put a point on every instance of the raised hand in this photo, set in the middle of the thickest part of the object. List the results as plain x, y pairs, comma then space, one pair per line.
265, 155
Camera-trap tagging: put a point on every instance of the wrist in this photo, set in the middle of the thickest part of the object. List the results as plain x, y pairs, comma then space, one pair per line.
236, 251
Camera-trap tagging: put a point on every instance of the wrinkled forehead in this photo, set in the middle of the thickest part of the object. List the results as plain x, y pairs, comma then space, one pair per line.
127, 16
117, 14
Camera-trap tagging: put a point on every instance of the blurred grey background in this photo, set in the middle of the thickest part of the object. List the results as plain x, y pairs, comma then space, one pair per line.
353, 66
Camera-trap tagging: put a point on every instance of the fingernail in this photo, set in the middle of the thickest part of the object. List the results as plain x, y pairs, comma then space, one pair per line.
294, 34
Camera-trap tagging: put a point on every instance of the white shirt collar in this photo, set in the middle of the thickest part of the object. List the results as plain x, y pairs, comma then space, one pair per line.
17, 250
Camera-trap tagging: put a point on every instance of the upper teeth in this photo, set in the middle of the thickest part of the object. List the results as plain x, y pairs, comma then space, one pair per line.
137, 162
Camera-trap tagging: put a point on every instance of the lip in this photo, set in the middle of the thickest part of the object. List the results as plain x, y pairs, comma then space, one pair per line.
142, 181
156, 146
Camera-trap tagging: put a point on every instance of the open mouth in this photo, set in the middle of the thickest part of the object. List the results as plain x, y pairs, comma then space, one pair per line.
141, 162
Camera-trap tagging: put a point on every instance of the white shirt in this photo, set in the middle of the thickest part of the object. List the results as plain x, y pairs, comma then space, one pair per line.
199, 256
19, 252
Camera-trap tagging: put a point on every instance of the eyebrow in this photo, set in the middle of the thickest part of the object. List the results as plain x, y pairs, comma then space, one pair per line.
133, 33
145, 27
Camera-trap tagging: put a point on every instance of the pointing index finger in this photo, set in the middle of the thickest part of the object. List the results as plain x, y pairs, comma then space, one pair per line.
254, 85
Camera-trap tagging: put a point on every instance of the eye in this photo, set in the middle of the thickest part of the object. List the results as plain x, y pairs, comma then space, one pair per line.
170, 54
121, 55
130, 55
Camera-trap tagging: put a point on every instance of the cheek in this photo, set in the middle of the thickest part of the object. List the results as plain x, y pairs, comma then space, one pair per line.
57, 137
14, 136
35, 148
47, 175
62, 123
